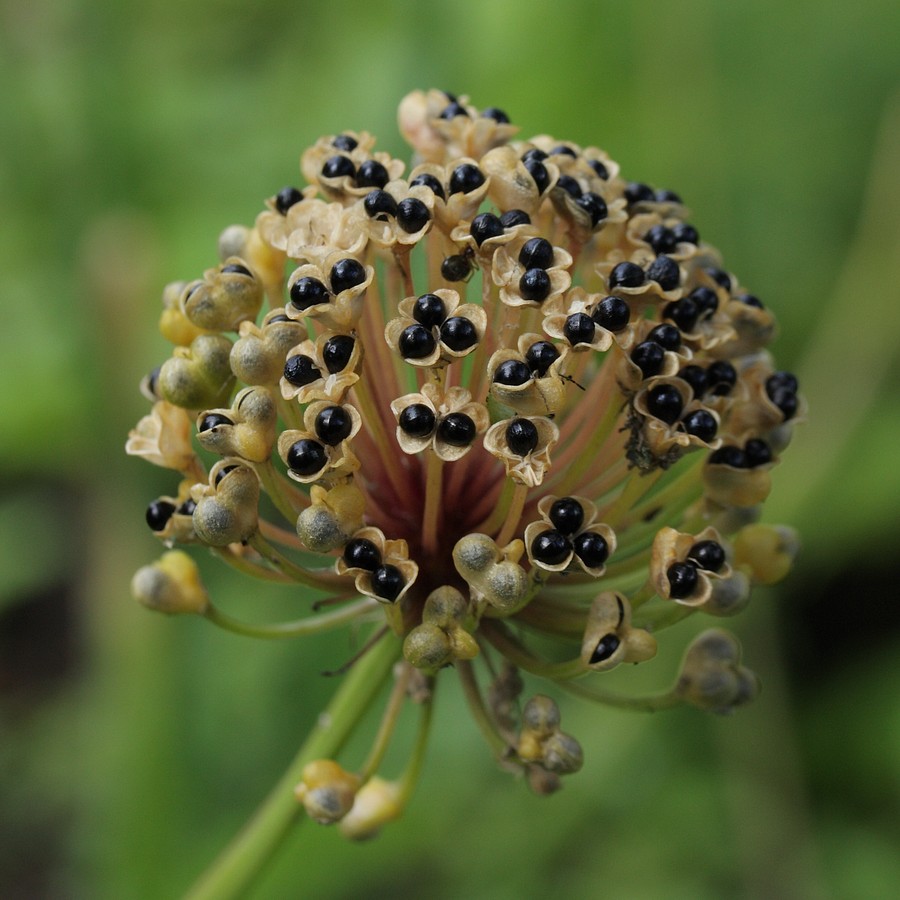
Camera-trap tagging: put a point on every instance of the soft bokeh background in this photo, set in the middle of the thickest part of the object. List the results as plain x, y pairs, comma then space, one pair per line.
132, 746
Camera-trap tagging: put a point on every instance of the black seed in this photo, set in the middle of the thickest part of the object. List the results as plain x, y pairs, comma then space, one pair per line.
451, 98
579, 329
667, 336
346, 273
782, 381
515, 217
611, 313
153, 381
708, 555
512, 372
496, 114
412, 215
457, 430
664, 271
786, 401
626, 274
648, 357
158, 514
540, 356
452, 110
416, 342
521, 436
337, 167
533, 153
306, 292
682, 579
685, 234
429, 181
570, 186
563, 150
333, 425
721, 377
591, 549
684, 313
661, 239
300, 370
719, 276
417, 420
187, 508
379, 205
599, 169
235, 269
336, 352
538, 171
706, 299
361, 553
536, 253
286, 198
567, 515
751, 300
388, 582
665, 402
595, 206
534, 285
458, 333
551, 548
429, 310
606, 646
466, 178
728, 455
210, 420
223, 472
456, 268
695, 376
758, 452
637, 192
664, 196
484, 226
701, 424
344, 142
306, 457
372, 173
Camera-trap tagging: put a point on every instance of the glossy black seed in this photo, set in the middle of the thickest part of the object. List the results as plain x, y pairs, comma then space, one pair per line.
664, 196
540, 356
458, 333
567, 515
210, 420
538, 171
515, 217
344, 142
667, 336
758, 452
152, 382
595, 206
719, 276
521, 436
484, 226
706, 300
661, 239
682, 579
223, 472
456, 268
379, 205
451, 98
512, 372
729, 455
337, 167
306, 292
417, 420
429, 181
637, 192
496, 114
786, 401
606, 646
536, 253
466, 178
333, 425
683, 313
612, 313
452, 110
534, 285
416, 342
695, 376
570, 186
782, 381
412, 215
534, 153
592, 549
708, 555
751, 300
579, 329
551, 548
457, 430
361, 553
664, 271
300, 370
665, 402
701, 424
388, 582
648, 357
626, 274
286, 198
721, 376
429, 310
158, 514
685, 234
599, 169
235, 269
563, 150
187, 508
336, 352
347, 273
306, 457
372, 173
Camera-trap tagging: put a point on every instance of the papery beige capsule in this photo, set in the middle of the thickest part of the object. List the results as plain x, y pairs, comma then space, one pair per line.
227, 510
171, 585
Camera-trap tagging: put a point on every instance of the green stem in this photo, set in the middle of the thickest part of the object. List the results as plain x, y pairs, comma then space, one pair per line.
254, 846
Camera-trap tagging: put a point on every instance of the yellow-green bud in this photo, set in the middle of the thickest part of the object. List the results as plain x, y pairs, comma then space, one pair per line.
171, 585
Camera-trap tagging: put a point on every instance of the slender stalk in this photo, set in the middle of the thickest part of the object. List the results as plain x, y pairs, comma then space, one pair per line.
433, 485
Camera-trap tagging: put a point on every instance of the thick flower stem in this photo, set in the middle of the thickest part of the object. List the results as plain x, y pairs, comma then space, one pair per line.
254, 846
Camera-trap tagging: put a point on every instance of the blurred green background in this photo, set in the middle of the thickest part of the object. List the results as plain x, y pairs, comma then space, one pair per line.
133, 746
